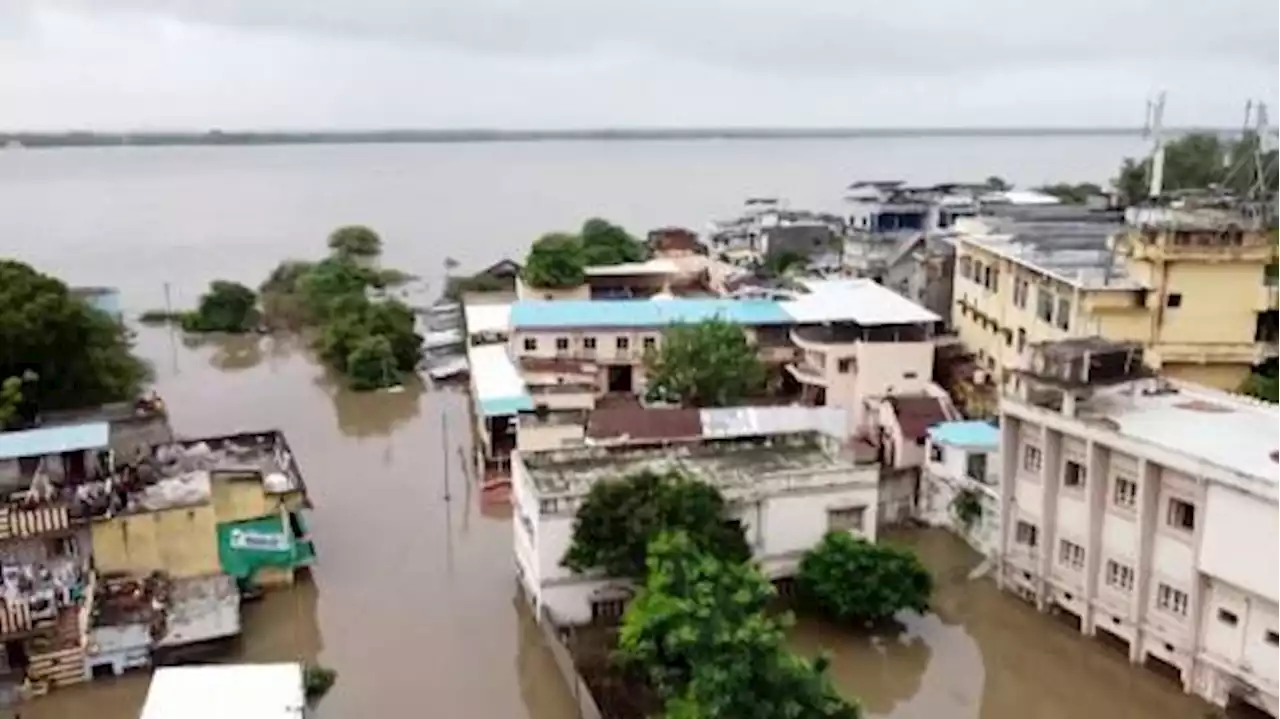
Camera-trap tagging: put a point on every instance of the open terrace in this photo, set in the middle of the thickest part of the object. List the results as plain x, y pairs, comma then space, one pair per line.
735, 465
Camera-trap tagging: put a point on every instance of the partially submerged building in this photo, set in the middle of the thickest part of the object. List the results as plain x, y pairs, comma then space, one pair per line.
245, 691
1146, 509
786, 490
960, 482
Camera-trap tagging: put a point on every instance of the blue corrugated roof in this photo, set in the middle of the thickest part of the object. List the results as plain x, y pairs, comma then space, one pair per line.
506, 406
970, 433
539, 314
54, 440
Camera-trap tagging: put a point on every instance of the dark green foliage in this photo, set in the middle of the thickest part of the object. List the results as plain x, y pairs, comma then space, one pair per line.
699, 632
226, 307
331, 281
317, 681
455, 287
967, 507
75, 355
1198, 160
355, 241
1263, 387
556, 261
997, 184
708, 364
852, 580
10, 400
620, 517
604, 243
1073, 194
781, 263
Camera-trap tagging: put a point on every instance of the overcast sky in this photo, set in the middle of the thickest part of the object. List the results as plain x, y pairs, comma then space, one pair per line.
194, 64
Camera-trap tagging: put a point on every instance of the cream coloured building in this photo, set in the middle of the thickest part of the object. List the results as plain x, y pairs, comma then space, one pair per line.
1146, 509
1197, 288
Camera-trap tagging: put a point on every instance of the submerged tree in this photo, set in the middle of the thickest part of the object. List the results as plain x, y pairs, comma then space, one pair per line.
708, 364
604, 243
75, 355
226, 307
698, 630
853, 580
619, 518
355, 241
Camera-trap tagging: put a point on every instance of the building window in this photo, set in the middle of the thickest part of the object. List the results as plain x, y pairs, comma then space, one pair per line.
844, 365
1119, 576
1171, 600
1026, 534
845, 519
1064, 314
1125, 494
1228, 617
1071, 555
966, 267
1273, 637
623, 344
1182, 515
1073, 475
562, 344
1044, 304
650, 342
588, 343
1032, 459
936, 453
607, 609
995, 280
1020, 289
530, 344
1022, 339
1173, 300
977, 271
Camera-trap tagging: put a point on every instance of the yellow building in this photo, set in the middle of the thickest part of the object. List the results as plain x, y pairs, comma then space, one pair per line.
1196, 287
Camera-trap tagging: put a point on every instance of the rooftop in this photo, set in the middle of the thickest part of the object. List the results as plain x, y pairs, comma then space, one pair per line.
1229, 431
641, 424
486, 318
538, 314
968, 433
917, 413
862, 301
201, 609
244, 691
1075, 252
54, 440
496, 384
650, 267
726, 464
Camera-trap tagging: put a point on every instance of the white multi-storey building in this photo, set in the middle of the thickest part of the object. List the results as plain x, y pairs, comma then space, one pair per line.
786, 490
1148, 510
961, 465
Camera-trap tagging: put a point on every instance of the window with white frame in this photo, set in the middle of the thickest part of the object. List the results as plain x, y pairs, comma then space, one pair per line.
846, 518
1073, 474
1026, 534
1182, 515
1044, 304
1119, 576
530, 344
1063, 318
1020, 290
1071, 555
562, 344
1171, 600
1125, 493
1032, 458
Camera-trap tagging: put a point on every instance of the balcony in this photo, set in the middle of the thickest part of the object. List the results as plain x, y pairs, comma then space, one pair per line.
807, 374
821, 337
1208, 352
566, 396
1268, 298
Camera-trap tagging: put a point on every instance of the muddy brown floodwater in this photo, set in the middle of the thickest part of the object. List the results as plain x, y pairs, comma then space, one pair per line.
413, 597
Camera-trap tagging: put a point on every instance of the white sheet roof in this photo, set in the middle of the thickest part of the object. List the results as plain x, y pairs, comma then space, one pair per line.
219, 691
862, 301
488, 317
651, 267
499, 389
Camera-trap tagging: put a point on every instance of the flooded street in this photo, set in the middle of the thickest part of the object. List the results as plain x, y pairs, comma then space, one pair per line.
413, 598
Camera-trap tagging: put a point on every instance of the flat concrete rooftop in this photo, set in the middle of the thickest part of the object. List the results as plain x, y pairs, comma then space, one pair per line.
726, 464
1232, 432
1073, 251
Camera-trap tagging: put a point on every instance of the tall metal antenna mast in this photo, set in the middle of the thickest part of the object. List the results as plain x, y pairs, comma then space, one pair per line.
1156, 119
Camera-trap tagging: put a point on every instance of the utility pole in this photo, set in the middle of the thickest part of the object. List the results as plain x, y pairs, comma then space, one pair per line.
1156, 111
444, 451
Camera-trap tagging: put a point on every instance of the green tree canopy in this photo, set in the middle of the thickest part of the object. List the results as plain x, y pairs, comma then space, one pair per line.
708, 364
556, 261
355, 241
604, 243
995, 183
1196, 161
619, 518
74, 355
698, 630
853, 580
226, 307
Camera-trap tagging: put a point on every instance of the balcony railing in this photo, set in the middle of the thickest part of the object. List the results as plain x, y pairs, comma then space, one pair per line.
807, 374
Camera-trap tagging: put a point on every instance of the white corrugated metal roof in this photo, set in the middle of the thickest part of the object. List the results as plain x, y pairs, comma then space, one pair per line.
488, 318
243, 691
499, 389
760, 421
651, 267
862, 301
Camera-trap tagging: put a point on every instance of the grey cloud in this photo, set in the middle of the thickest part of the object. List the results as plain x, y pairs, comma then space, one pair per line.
828, 37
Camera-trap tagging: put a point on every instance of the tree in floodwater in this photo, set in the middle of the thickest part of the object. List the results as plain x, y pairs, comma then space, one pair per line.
707, 364
67, 353
226, 307
604, 243
556, 261
854, 581
355, 241
700, 632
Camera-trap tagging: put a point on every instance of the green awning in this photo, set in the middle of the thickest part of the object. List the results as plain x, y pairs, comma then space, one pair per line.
245, 547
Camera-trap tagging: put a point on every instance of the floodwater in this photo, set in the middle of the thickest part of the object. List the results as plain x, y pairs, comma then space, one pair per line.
413, 597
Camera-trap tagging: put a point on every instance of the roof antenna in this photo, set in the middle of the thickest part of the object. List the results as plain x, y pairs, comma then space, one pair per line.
1156, 128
